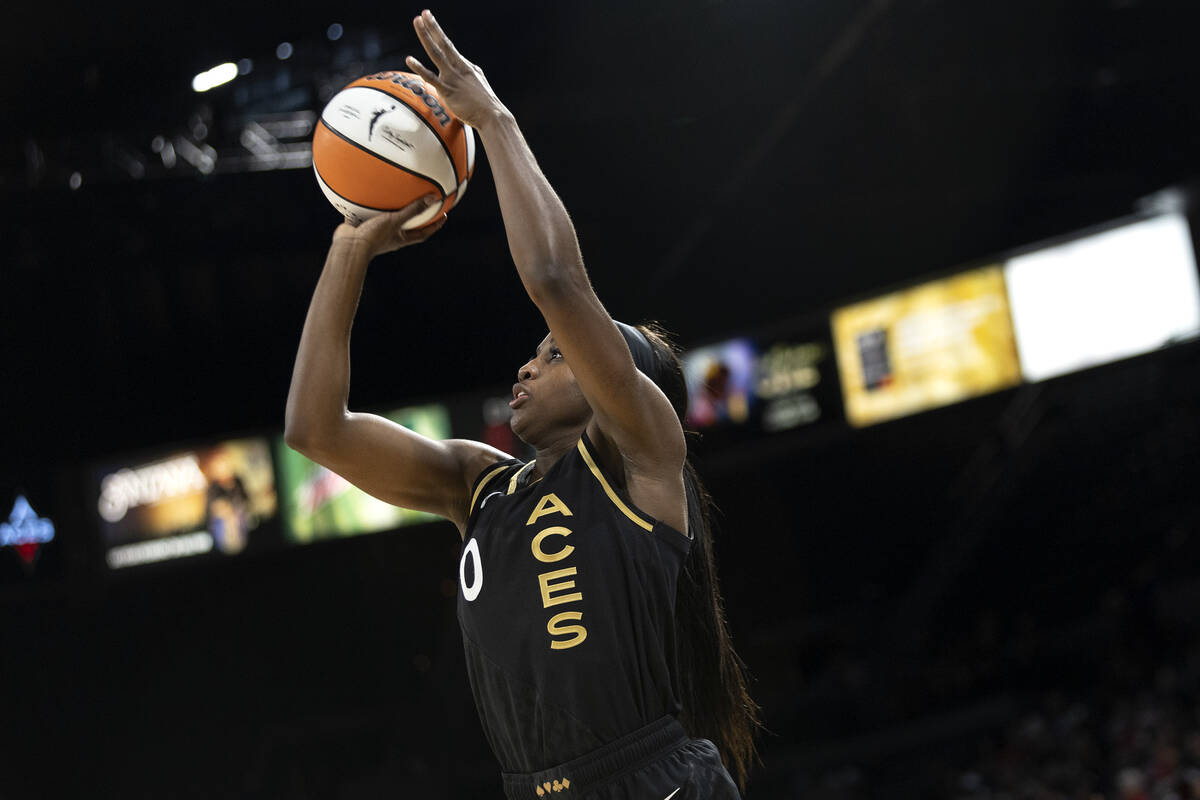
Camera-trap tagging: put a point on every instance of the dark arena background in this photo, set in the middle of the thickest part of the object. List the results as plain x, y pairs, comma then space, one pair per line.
932, 266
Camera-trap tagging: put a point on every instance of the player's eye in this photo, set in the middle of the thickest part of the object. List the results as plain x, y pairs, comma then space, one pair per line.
554, 351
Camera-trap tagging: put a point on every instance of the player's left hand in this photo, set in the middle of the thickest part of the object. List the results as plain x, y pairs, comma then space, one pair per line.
386, 232
460, 84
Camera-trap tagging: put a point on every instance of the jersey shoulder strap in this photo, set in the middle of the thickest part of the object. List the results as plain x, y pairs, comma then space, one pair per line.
618, 497
488, 476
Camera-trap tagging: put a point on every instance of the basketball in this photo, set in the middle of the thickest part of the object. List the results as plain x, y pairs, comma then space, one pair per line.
384, 141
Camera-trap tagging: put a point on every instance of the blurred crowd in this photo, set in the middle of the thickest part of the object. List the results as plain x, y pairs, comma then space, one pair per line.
1143, 745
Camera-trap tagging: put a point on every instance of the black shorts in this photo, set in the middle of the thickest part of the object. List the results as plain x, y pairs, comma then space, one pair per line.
657, 762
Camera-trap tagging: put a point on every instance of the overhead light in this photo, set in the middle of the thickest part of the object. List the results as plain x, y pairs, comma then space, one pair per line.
284, 51
222, 73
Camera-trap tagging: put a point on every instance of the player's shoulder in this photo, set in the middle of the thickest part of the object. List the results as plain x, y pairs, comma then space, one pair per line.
474, 457
479, 464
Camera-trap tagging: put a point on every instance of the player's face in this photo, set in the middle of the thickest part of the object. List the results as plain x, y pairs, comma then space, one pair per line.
547, 399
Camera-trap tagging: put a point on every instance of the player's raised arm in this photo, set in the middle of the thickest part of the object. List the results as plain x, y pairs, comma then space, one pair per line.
377, 455
628, 406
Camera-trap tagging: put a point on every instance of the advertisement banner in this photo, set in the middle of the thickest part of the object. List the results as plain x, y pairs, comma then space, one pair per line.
210, 499
925, 347
320, 504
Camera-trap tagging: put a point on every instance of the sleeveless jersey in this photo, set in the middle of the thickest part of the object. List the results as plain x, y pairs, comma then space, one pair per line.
567, 605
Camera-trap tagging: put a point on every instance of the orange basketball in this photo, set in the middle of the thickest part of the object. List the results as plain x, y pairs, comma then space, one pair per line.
386, 140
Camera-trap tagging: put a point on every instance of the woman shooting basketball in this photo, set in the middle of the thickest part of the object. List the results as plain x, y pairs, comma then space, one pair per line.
593, 629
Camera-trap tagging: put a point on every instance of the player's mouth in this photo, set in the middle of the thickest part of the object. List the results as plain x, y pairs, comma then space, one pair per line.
519, 396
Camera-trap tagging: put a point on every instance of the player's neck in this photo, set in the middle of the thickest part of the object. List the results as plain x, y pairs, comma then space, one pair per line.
550, 452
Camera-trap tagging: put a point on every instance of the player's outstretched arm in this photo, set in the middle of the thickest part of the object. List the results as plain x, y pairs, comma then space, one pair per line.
382, 458
628, 406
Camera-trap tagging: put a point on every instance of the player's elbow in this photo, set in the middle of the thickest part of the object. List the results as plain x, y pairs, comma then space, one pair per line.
295, 437
296, 425
306, 436
298, 437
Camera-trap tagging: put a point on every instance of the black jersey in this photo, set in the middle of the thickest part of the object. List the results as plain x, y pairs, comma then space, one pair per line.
567, 604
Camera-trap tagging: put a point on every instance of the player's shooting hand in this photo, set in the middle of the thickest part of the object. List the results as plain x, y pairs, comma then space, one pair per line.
460, 84
384, 233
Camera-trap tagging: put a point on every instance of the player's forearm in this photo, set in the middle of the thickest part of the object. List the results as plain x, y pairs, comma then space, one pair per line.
541, 237
316, 402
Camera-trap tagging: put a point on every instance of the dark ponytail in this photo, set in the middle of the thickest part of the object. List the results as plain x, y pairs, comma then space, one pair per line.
710, 676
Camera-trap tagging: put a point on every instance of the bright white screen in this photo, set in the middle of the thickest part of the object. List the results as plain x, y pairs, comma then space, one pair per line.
1104, 297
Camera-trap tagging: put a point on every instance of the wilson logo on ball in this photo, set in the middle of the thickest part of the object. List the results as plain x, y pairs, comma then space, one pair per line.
417, 87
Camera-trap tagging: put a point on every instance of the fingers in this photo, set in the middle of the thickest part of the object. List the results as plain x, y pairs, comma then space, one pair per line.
404, 237
384, 233
439, 36
398, 219
428, 75
429, 30
436, 54
415, 208
425, 231
375, 226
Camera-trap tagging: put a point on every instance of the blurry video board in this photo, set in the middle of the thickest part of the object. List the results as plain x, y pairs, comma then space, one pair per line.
1104, 297
190, 503
720, 381
925, 347
320, 504
743, 386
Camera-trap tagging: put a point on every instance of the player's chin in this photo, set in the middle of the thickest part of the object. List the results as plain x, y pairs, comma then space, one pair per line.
525, 419
520, 427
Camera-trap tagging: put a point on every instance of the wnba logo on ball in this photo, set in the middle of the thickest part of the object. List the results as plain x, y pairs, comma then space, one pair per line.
417, 88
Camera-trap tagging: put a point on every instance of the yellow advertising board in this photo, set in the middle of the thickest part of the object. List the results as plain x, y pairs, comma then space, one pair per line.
925, 347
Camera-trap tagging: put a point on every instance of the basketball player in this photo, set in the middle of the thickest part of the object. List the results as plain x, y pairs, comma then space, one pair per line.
593, 628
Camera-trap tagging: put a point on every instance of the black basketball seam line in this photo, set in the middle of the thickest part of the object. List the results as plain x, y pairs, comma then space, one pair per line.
325, 183
384, 159
421, 117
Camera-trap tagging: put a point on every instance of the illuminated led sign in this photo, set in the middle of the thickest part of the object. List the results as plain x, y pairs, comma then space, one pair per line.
320, 504
25, 531
211, 499
1103, 297
924, 347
